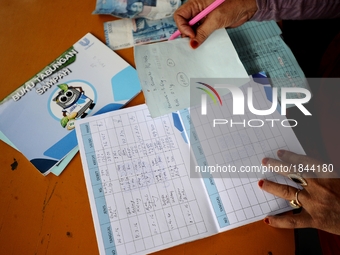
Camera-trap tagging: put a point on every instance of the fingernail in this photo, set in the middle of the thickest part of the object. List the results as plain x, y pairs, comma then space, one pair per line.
280, 153
264, 161
260, 183
193, 44
266, 220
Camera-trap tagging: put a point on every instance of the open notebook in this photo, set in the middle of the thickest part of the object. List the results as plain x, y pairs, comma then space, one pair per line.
142, 195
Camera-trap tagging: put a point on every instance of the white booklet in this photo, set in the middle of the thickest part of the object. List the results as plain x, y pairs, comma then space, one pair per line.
144, 194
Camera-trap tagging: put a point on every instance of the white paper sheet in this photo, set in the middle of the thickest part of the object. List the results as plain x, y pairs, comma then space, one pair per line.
165, 69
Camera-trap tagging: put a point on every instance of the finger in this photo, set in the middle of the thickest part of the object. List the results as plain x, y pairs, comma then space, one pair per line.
287, 168
310, 167
282, 168
306, 167
300, 220
284, 191
202, 33
184, 28
293, 158
185, 13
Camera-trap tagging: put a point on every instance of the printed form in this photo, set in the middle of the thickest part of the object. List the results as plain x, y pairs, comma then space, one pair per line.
137, 173
235, 196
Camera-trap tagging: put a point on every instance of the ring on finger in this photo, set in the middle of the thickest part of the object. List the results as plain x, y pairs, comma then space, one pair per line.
295, 203
297, 178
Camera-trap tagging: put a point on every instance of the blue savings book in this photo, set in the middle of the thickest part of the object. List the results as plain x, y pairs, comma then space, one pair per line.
87, 79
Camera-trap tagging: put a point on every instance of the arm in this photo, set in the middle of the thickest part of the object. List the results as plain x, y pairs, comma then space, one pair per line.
296, 9
233, 13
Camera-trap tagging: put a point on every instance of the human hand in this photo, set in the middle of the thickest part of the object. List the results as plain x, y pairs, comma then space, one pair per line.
320, 199
231, 13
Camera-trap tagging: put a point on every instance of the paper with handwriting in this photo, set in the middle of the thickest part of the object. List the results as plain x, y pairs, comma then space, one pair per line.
165, 69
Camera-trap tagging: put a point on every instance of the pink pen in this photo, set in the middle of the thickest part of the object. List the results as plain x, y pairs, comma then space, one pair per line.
199, 16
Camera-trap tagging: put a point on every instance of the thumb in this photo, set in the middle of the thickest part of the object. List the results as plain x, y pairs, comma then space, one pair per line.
203, 32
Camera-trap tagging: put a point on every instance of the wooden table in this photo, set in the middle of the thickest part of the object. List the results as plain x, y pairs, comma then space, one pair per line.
51, 215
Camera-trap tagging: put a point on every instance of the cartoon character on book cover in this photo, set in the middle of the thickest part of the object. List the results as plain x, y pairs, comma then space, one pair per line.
74, 103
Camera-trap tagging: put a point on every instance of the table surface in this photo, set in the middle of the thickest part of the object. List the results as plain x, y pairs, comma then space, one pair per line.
51, 215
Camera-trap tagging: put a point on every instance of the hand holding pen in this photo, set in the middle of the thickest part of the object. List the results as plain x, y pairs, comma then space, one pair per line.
231, 13
199, 16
